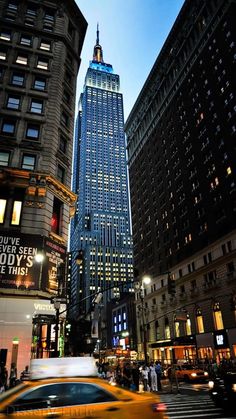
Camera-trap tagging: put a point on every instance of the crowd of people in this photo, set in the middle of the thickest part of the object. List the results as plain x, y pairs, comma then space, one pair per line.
12, 380
133, 376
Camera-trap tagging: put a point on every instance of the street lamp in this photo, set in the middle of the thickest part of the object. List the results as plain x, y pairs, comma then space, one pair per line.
39, 258
146, 280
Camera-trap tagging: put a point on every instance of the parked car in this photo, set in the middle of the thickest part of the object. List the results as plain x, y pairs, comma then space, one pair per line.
68, 387
188, 372
223, 390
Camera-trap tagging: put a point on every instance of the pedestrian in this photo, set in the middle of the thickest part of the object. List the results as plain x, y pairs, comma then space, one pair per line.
3, 378
144, 374
135, 376
13, 375
25, 374
159, 375
153, 377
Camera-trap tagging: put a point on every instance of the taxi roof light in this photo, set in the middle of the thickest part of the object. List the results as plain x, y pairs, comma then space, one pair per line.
63, 367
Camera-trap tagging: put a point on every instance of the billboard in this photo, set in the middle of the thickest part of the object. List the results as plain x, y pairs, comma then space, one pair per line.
19, 269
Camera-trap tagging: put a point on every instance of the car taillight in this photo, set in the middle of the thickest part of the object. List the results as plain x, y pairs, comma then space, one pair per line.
159, 407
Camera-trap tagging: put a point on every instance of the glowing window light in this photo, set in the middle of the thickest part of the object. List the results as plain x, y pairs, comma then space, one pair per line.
16, 213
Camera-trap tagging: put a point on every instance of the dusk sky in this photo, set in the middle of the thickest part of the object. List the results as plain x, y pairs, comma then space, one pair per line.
132, 33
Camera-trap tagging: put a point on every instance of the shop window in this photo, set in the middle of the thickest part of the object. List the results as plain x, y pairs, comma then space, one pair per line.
28, 162
39, 83
18, 79
4, 158
217, 316
3, 204
16, 213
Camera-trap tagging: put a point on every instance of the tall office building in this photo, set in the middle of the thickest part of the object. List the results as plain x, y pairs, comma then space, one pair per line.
40, 47
181, 146
101, 226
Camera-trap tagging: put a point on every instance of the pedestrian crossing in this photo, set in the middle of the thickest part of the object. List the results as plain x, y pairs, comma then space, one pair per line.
182, 406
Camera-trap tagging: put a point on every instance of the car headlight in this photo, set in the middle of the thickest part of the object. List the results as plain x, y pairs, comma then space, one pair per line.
205, 373
234, 387
211, 384
193, 374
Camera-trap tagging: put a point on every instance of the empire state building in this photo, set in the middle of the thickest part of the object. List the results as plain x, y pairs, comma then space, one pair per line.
101, 227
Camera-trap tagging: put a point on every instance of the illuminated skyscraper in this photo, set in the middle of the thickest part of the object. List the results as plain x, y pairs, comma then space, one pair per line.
101, 227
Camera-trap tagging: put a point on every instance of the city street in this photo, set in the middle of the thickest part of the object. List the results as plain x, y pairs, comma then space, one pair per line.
191, 401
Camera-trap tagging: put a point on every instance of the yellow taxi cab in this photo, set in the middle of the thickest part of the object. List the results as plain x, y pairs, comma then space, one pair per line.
60, 388
190, 373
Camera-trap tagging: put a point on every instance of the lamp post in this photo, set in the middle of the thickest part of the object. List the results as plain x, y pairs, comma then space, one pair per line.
145, 281
39, 258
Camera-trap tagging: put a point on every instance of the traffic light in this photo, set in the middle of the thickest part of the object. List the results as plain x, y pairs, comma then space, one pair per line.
171, 285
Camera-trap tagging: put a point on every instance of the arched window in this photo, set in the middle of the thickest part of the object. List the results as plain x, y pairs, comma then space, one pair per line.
217, 316
188, 326
157, 330
167, 328
199, 321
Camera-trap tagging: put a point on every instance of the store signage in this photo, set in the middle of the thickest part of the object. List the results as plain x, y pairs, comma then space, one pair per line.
221, 339
19, 269
17, 264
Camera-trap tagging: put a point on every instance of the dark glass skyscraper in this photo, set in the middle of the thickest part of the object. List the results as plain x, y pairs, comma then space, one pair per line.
101, 227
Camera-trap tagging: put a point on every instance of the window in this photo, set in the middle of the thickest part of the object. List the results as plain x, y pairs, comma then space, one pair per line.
39, 84
4, 158
45, 45
199, 321
22, 59
3, 55
5, 35
64, 119
12, 5
31, 11
36, 106
13, 102
43, 63
217, 316
8, 127
63, 144
188, 326
3, 204
32, 131
61, 173
18, 79
26, 40
16, 213
28, 162
56, 216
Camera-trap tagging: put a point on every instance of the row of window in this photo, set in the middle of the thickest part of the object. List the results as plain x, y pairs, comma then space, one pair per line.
26, 40
18, 79
14, 102
42, 63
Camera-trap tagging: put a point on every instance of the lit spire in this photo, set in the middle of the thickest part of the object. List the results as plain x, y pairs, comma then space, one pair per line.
97, 51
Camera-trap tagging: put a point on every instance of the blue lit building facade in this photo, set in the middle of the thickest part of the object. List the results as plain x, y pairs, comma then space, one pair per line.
101, 226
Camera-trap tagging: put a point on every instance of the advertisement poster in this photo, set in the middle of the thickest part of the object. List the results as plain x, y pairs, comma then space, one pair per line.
20, 270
